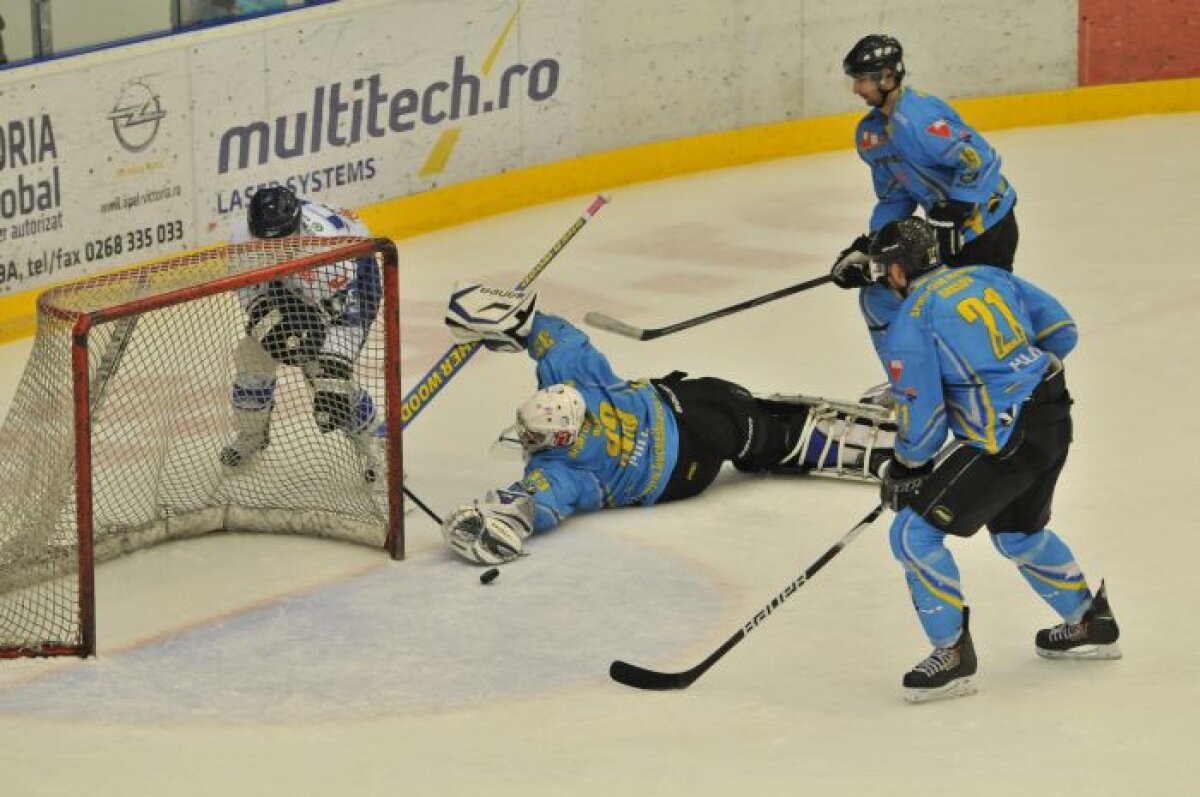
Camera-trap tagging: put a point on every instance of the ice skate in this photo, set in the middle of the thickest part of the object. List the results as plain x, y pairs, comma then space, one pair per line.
371, 455
1093, 637
244, 448
946, 672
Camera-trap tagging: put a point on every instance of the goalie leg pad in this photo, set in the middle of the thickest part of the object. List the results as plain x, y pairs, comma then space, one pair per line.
335, 396
837, 438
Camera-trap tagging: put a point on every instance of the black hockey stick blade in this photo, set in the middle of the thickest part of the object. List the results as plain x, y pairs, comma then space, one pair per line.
642, 678
618, 327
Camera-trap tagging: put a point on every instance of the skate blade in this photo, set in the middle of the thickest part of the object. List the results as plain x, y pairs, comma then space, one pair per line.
959, 688
1084, 653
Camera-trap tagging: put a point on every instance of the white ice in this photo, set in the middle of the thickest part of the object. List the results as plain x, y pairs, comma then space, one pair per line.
243, 665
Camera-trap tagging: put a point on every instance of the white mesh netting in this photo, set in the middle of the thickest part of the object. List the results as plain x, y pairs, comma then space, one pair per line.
162, 411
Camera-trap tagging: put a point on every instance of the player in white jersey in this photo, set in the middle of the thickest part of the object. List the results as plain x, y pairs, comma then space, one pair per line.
316, 321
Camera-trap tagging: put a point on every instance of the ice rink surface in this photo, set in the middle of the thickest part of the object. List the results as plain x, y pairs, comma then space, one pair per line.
243, 665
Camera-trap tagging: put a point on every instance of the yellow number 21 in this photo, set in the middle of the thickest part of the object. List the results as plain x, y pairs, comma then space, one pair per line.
975, 309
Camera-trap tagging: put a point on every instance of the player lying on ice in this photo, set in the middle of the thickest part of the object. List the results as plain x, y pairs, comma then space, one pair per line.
593, 440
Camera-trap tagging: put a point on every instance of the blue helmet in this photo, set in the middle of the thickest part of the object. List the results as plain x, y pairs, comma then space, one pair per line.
274, 212
873, 54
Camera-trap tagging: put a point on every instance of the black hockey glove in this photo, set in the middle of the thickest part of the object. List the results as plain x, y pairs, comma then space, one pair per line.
899, 483
948, 219
852, 269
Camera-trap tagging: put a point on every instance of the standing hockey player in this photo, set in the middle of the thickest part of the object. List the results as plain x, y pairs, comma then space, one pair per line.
593, 440
978, 351
921, 153
317, 321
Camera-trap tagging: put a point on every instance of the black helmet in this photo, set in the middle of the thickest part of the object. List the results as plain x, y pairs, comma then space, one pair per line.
873, 54
910, 242
274, 212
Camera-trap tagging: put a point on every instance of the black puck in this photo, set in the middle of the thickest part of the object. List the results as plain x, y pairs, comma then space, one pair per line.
489, 576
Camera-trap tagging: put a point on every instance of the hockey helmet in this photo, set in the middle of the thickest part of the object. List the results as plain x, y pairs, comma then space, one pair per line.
550, 418
910, 242
274, 212
871, 55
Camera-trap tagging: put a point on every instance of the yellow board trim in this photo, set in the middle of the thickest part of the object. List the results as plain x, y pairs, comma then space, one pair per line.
457, 204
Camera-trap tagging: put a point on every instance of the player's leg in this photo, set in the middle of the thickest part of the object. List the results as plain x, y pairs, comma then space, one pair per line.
715, 423
997, 246
933, 583
824, 436
1089, 629
965, 490
339, 402
253, 399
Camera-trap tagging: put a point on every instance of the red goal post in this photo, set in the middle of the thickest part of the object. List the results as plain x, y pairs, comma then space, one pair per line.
116, 434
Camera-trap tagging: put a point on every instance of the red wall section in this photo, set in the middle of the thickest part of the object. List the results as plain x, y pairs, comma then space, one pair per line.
1121, 41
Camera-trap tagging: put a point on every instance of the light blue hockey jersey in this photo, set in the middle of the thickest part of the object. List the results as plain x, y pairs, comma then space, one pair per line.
627, 447
966, 348
924, 154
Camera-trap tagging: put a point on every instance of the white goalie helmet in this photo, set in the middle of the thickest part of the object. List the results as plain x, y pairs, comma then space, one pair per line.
550, 418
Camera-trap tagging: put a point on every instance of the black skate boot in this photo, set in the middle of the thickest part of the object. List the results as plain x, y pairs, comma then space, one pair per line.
244, 448
1093, 637
946, 672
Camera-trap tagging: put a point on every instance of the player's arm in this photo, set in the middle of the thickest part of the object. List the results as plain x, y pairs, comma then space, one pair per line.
921, 425
563, 353
559, 491
363, 295
493, 531
915, 375
943, 138
892, 200
878, 306
938, 136
1054, 329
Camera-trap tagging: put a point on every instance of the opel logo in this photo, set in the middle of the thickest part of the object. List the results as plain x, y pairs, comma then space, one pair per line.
136, 116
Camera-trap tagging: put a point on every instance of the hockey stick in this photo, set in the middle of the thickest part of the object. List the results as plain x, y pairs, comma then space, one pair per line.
421, 504
610, 324
641, 678
457, 356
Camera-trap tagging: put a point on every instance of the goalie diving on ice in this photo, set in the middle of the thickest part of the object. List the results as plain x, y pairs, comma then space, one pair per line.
594, 440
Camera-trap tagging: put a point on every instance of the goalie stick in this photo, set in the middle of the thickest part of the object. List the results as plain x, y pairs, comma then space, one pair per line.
610, 324
457, 356
641, 678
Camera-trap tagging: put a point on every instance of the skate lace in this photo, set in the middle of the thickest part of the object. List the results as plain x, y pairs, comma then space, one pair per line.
941, 659
1068, 632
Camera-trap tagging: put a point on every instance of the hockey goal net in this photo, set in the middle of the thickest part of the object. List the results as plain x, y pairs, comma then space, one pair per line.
116, 436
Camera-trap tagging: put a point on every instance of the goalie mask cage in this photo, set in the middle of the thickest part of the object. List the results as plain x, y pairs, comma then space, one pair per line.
113, 440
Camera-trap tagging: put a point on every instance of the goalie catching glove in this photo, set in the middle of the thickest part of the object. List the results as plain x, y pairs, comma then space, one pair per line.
493, 532
500, 319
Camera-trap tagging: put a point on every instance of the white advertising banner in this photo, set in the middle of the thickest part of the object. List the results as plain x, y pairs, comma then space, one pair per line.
384, 103
116, 157
95, 169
